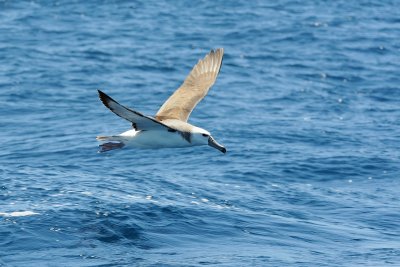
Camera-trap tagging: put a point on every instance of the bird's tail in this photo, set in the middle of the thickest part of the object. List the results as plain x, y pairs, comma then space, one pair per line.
110, 138
116, 143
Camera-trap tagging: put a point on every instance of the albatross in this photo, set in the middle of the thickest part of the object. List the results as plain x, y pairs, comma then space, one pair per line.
169, 127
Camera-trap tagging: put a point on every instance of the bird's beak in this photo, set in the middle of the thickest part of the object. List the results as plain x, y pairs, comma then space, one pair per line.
214, 144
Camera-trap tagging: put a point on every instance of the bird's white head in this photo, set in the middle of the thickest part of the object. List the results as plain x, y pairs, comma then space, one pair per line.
203, 137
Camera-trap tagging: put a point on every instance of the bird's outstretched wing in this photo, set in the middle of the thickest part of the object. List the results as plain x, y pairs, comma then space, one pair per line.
139, 121
195, 87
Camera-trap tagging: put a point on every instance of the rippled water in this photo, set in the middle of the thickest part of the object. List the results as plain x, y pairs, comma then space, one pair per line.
307, 104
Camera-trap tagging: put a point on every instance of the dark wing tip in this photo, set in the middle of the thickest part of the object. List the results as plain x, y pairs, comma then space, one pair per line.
101, 95
100, 92
104, 98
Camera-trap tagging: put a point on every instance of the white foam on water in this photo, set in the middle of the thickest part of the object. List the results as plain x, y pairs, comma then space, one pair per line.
18, 213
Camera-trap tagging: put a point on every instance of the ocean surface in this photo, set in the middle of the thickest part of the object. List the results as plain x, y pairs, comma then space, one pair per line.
307, 104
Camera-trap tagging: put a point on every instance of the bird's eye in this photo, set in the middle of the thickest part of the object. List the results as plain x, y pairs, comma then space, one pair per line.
205, 135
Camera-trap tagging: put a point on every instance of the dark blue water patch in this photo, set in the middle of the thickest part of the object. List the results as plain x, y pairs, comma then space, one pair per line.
383, 94
305, 103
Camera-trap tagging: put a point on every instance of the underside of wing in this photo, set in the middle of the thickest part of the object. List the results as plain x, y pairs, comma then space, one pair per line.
195, 87
138, 120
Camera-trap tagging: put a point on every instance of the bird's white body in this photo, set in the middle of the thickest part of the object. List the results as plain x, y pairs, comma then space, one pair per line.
153, 139
161, 138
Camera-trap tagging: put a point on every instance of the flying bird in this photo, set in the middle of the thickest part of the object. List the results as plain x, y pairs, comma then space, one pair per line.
169, 127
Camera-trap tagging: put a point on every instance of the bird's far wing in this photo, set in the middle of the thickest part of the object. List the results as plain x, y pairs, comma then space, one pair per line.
139, 121
195, 87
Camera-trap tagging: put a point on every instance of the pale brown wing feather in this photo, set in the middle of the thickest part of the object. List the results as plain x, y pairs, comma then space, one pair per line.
195, 87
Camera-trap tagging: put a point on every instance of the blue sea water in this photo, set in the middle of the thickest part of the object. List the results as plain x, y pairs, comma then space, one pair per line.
307, 103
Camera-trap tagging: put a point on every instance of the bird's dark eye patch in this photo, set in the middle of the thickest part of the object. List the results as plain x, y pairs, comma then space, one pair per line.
205, 135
